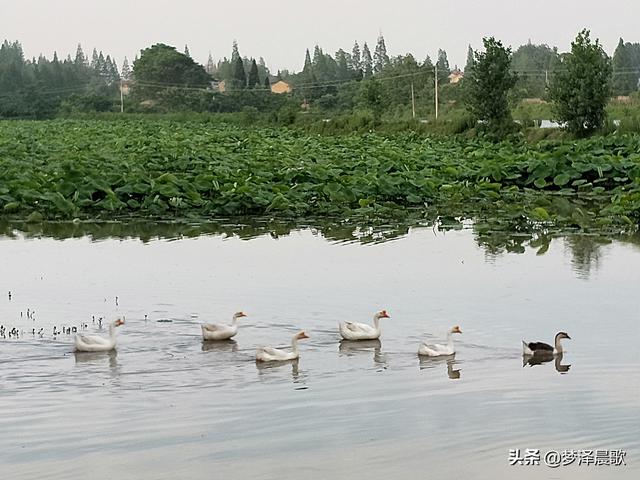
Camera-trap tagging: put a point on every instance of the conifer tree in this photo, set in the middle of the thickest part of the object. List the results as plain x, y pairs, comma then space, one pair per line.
126, 70
210, 68
625, 76
469, 65
239, 79
443, 67
80, 59
380, 57
367, 62
356, 61
253, 79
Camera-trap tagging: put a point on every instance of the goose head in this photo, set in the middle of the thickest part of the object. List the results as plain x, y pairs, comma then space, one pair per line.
382, 314
301, 335
239, 315
118, 322
455, 329
562, 335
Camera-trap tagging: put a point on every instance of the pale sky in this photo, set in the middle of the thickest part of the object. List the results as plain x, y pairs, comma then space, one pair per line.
281, 30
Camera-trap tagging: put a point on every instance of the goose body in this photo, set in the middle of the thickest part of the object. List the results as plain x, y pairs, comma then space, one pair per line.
270, 354
217, 331
96, 343
363, 331
540, 348
437, 349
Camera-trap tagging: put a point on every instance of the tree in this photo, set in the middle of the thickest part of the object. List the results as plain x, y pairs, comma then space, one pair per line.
580, 88
125, 73
160, 67
211, 66
534, 65
80, 60
186, 51
239, 76
443, 67
625, 76
267, 83
253, 79
380, 57
367, 62
488, 84
342, 61
356, 57
469, 65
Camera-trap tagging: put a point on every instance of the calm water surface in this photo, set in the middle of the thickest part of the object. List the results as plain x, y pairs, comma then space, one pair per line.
168, 406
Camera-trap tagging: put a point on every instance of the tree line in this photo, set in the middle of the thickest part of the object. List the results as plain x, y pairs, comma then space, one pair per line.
356, 79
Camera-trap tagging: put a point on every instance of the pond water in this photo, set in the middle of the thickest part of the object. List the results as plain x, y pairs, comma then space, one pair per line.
169, 406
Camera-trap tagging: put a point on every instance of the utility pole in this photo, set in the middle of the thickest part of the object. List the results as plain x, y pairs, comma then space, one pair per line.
546, 78
121, 98
413, 101
436, 82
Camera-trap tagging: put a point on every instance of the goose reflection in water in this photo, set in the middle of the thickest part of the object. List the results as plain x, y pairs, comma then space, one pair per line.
433, 362
352, 347
229, 346
539, 358
97, 358
265, 368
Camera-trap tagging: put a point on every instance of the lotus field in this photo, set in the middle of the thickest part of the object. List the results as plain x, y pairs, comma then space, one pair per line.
105, 169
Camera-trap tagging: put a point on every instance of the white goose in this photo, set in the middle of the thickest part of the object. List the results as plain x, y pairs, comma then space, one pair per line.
270, 354
540, 348
96, 343
216, 331
362, 331
437, 350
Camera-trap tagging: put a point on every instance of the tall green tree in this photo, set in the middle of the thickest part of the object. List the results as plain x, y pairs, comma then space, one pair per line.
253, 78
239, 77
356, 59
580, 89
469, 65
487, 86
380, 56
534, 64
444, 70
625, 75
125, 72
367, 61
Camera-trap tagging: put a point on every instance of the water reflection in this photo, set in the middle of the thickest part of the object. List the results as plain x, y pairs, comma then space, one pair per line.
220, 346
427, 363
265, 368
359, 347
540, 358
496, 236
97, 358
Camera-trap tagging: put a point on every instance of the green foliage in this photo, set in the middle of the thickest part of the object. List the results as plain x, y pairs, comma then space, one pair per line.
625, 68
534, 65
169, 169
36, 88
487, 86
580, 88
162, 66
253, 79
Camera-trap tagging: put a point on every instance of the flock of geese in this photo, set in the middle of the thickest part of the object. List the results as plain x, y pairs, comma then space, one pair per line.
351, 331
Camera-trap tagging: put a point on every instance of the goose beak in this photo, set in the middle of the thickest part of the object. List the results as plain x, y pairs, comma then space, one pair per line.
568, 336
119, 322
384, 314
302, 335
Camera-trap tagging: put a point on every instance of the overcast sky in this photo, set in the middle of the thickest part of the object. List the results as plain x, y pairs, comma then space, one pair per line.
280, 30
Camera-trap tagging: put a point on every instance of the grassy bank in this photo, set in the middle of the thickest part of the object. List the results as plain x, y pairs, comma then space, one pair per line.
97, 169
